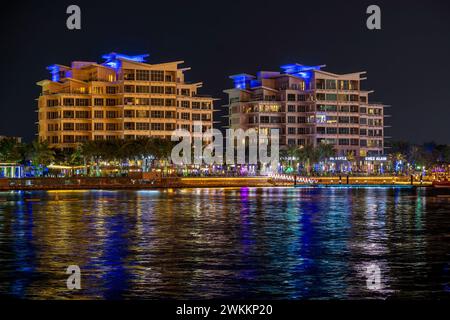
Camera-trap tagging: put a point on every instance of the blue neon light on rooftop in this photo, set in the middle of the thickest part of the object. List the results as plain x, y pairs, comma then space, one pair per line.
114, 56
295, 68
54, 70
241, 80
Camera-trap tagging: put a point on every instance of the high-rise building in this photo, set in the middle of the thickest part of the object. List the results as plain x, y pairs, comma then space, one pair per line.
309, 106
122, 98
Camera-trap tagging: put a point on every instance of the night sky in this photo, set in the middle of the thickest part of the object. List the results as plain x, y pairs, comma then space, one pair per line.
407, 62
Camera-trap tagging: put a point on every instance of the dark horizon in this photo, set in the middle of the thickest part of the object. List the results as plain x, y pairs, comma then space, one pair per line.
406, 62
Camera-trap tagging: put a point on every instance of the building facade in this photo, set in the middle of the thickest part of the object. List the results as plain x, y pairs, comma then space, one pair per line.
122, 98
309, 106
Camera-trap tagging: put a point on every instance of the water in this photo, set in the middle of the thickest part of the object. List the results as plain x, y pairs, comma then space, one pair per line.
267, 243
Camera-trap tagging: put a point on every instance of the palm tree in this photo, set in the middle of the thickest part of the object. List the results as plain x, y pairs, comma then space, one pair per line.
308, 155
11, 150
41, 155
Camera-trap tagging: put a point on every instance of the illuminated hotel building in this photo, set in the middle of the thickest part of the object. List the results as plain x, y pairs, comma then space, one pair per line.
309, 106
121, 98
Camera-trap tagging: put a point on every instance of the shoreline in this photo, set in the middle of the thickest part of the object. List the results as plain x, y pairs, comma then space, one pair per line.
127, 183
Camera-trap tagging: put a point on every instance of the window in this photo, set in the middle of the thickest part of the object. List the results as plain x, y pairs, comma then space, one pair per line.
170, 90
170, 102
291, 119
330, 84
112, 126
344, 85
157, 102
142, 89
320, 84
98, 126
128, 74
157, 75
157, 126
98, 114
68, 139
111, 102
291, 97
111, 90
170, 114
196, 117
82, 114
142, 101
112, 114
326, 108
68, 102
98, 102
344, 131
52, 103
170, 126
142, 126
68, 114
185, 92
157, 114
157, 89
320, 130
128, 126
128, 89
52, 115
142, 75
128, 101
331, 97
344, 120
82, 126
291, 108
142, 113
301, 119
332, 130
128, 113
185, 116
185, 104
68, 126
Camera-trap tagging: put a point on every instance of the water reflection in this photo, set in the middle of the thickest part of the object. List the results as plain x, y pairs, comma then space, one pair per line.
281, 243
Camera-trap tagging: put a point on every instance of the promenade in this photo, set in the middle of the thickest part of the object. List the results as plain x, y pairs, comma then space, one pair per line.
78, 183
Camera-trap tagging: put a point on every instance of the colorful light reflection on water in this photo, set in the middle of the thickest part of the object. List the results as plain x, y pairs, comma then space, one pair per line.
268, 243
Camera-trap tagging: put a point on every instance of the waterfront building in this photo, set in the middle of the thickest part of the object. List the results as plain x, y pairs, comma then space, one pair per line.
16, 139
122, 98
11, 170
309, 106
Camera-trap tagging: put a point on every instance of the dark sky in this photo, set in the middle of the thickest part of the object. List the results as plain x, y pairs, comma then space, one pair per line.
407, 62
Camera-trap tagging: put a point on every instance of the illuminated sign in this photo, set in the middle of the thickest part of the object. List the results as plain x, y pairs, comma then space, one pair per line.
338, 159
377, 158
